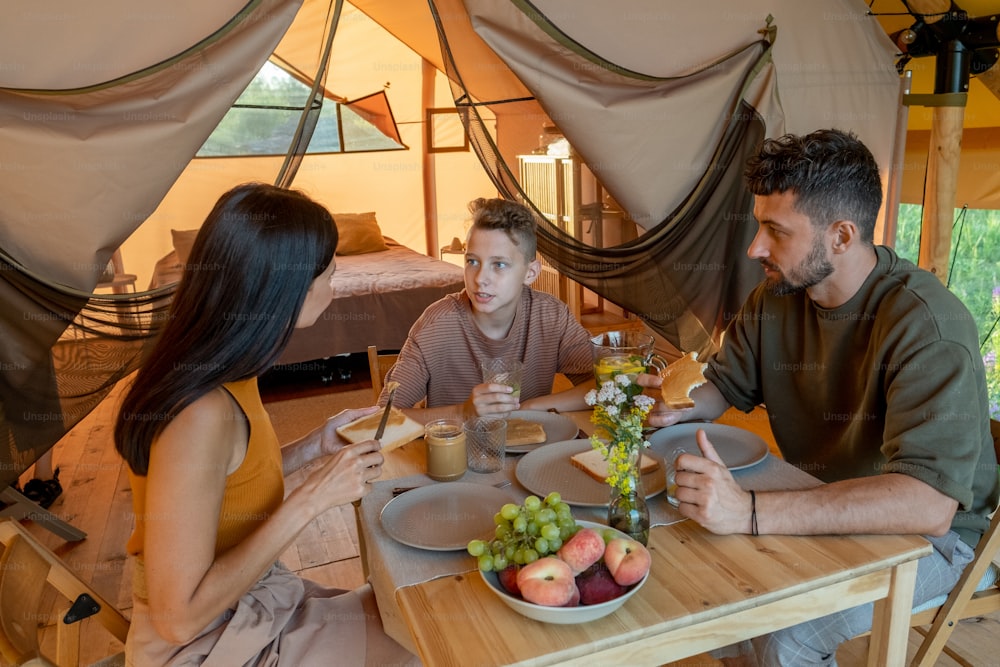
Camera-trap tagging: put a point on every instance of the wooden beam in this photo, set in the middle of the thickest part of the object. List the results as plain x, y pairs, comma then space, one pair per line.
939, 190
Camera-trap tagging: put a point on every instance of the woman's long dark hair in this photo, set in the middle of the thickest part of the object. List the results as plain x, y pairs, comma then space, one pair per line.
234, 310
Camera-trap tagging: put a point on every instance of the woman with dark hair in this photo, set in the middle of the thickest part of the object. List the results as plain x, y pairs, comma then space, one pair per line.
207, 470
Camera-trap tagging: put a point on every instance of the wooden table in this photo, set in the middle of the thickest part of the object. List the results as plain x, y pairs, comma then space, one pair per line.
705, 591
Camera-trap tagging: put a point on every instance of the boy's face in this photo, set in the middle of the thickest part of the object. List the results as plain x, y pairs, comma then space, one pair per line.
495, 270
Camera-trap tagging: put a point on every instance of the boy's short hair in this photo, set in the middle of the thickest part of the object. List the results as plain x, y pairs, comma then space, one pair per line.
515, 220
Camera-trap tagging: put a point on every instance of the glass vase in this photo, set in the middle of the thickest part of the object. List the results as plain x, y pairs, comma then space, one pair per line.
627, 510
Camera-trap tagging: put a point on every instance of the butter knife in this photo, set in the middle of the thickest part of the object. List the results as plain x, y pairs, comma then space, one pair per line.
385, 415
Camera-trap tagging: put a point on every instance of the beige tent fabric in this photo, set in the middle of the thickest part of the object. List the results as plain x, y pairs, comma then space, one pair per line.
647, 139
94, 162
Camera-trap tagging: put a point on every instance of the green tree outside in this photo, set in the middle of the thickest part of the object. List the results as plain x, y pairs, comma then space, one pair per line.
974, 276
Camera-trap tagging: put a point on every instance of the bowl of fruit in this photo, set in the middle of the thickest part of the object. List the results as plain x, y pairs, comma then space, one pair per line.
586, 572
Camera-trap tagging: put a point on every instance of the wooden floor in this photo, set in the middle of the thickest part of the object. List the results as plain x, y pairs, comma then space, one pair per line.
97, 500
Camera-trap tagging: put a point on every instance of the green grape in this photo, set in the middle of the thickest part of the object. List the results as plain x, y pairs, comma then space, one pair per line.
550, 531
486, 563
476, 548
524, 533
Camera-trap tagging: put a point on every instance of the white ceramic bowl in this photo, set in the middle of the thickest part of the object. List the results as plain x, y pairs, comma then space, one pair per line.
561, 615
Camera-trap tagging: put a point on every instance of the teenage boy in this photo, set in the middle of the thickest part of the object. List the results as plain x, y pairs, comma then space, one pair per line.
497, 315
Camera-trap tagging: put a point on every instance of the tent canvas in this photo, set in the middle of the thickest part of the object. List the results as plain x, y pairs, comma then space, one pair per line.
90, 165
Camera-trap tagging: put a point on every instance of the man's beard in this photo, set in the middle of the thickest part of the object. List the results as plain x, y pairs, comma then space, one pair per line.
813, 269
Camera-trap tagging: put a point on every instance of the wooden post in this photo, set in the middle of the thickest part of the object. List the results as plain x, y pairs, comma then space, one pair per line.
939, 189
428, 74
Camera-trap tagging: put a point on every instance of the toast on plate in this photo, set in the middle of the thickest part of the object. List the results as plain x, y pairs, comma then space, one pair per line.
593, 463
524, 432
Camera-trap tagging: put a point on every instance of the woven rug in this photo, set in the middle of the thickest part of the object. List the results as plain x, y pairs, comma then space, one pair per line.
295, 417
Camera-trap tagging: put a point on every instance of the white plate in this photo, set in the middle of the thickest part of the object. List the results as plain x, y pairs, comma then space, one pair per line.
443, 516
557, 428
549, 469
738, 447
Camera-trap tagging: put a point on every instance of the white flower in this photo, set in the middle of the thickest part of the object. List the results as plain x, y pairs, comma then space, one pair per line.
591, 397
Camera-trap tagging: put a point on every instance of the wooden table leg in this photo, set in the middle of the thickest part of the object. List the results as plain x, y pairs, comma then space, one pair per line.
891, 619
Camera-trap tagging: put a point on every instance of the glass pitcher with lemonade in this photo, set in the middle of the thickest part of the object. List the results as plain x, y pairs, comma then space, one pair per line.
624, 353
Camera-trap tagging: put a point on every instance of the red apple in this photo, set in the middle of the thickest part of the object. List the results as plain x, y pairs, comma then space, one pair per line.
508, 579
547, 581
597, 585
584, 548
627, 560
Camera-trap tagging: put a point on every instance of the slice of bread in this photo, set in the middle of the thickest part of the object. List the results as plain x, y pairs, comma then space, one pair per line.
593, 463
524, 432
679, 378
399, 430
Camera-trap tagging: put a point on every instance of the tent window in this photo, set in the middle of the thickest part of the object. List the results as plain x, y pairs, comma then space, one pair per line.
263, 121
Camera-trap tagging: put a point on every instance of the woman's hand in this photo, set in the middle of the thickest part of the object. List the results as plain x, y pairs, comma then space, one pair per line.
343, 477
329, 441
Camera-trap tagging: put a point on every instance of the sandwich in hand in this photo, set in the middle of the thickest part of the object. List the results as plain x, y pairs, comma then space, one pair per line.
399, 429
679, 379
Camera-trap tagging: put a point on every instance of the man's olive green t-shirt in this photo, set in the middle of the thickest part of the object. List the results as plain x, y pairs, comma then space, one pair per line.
891, 381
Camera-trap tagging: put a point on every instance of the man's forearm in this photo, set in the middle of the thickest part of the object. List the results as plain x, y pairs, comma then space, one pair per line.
883, 504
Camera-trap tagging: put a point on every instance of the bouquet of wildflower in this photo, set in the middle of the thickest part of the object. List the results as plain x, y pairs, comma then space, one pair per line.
619, 410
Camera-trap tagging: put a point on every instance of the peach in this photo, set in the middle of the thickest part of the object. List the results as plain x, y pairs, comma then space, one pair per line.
584, 548
547, 581
627, 560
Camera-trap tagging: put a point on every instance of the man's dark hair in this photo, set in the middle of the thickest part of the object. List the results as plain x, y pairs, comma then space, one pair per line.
832, 174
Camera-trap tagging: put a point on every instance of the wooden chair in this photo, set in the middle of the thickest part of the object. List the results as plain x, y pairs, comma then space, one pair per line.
378, 366
26, 568
964, 601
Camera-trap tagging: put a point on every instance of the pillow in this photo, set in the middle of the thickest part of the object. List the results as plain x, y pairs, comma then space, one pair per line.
183, 240
358, 233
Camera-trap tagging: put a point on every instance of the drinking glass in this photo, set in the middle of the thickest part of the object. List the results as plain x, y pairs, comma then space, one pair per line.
671, 466
503, 371
485, 442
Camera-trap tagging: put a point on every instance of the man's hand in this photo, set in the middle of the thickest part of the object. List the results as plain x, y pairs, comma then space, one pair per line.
708, 493
660, 415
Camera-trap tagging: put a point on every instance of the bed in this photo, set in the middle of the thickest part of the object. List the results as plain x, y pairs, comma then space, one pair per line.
378, 295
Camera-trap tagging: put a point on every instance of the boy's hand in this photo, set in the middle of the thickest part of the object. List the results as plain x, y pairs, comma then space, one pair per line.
494, 400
